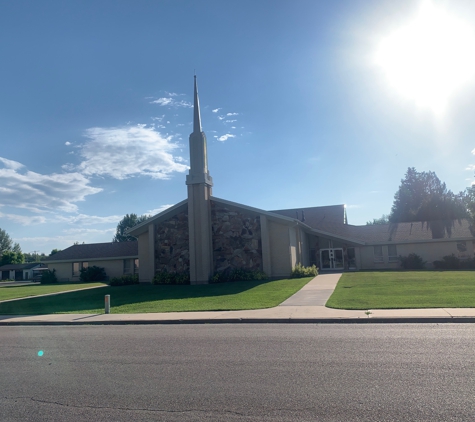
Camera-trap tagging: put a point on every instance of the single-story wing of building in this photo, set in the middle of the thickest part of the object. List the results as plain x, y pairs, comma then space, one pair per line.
117, 259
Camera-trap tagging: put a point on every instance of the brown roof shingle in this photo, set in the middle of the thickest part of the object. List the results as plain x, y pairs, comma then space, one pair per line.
96, 250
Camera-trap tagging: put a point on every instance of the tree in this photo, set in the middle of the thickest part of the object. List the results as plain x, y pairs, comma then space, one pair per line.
423, 197
6, 243
10, 257
54, 251
129, 221
384, 219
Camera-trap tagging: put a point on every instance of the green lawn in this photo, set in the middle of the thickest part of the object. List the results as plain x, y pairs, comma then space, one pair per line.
162, 298
15, 292
404, 289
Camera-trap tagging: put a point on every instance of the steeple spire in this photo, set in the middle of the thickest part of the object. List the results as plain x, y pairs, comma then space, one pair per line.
198, 151
196, 111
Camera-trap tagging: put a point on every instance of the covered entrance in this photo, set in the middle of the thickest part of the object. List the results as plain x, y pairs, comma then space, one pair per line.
331, 259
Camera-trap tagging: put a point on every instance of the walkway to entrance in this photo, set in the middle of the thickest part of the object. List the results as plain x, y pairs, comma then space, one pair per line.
315, 293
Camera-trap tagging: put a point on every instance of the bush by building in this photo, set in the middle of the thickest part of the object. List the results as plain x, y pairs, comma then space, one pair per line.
165, 277
125, 280
49, 277
412, 262
300, 271
91, 274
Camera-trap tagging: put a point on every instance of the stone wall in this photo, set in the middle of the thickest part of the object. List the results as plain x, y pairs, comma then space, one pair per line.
171, 244
236, 238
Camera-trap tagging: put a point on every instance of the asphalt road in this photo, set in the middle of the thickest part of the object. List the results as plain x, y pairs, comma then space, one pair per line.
238, 373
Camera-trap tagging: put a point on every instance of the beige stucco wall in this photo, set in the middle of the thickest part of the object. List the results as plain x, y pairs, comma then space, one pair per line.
429, 252
279, 241
64, 270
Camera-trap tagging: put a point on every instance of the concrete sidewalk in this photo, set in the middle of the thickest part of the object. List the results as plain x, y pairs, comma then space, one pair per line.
305, 306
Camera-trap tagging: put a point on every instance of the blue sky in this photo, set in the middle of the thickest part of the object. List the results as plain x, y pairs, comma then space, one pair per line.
298, 109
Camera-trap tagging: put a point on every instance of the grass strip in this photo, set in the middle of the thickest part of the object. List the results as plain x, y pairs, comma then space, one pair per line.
16, 292
162, 298
404, 290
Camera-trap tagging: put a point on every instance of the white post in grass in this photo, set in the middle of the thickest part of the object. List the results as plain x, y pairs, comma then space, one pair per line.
107, 303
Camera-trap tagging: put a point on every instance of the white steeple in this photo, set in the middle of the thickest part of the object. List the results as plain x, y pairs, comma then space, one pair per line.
198, 151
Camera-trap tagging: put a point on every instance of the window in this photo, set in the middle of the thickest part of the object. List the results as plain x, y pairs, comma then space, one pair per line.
378, 254
77, 267
351, 258
136, 266
392, 253
127, 266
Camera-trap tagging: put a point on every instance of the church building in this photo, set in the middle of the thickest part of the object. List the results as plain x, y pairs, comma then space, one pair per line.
204, 234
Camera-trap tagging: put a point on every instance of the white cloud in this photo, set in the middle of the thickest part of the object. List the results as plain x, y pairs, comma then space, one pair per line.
10, 164
232, 114
216, 110
159, 209
470, 167
89, 231
24, 219
67, 143
123, 152
162, 101
231, 121
35, 191
221, 117
169, 101
226, 137
87, 220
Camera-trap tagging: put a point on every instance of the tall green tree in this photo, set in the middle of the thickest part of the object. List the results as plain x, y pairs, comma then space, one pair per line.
10, 257
423, 197
6, 243
129, 221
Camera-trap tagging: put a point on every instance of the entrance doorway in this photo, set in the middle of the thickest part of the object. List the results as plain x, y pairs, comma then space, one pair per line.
331, 259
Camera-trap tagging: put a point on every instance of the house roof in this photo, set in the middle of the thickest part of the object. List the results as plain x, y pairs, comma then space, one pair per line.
417, 231
313, 216
95, 251
18, 267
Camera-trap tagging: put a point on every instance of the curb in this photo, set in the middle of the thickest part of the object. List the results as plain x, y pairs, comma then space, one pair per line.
407, 320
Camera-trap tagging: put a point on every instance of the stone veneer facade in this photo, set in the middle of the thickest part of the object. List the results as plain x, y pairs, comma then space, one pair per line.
171, 244
236, 239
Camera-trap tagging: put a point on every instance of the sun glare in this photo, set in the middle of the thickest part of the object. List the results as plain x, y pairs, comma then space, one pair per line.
430, 58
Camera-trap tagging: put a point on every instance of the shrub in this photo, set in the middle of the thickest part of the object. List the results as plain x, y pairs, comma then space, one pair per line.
93, 273
48, 277
451, 262
300, 271
412, 262
125, 280
164, 277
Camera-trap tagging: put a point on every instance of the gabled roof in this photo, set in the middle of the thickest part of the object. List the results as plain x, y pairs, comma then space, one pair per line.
313, 216
96, 251
417, 231
18, 267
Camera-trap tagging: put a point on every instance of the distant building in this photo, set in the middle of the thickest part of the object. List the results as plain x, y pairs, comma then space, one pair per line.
19, 272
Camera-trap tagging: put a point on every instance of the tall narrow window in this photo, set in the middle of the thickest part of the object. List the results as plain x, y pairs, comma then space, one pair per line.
392, 253
378, 254
76, 268
127, 266
136, 266
351, 258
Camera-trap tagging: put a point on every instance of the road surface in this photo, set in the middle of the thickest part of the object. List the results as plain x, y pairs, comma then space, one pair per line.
239, 372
